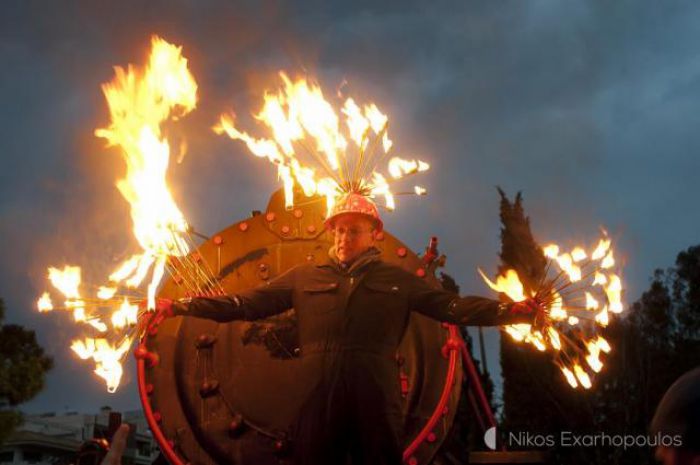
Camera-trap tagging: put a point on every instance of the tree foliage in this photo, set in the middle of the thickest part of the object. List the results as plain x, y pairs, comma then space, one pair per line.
23, 365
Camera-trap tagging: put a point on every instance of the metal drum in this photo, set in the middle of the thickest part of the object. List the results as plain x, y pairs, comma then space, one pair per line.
228, 393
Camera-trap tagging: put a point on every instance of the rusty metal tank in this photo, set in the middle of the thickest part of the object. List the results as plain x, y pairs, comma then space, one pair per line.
228, 393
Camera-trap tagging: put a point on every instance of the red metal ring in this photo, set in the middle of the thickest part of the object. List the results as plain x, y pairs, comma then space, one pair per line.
442, 403
165, 445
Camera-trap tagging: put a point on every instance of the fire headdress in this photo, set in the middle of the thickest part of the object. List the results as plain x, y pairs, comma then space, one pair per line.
324, 152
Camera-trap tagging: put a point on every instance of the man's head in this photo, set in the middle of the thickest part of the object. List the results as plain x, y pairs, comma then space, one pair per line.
355, 223
354, 234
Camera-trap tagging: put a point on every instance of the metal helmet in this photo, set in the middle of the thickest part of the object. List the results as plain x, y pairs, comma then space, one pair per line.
355, 203
679, 410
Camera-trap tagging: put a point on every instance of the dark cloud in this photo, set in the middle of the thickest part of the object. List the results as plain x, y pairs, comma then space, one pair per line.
590, 108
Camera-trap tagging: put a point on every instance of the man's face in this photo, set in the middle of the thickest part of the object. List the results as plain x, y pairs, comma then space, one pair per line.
354, 234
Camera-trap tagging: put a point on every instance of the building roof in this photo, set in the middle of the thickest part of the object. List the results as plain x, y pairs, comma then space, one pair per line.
30, 438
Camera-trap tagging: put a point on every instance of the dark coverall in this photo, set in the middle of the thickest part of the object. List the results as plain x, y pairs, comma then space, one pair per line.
351, 321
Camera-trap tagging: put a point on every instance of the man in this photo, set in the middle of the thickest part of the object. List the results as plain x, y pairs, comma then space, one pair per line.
352, 312
678, 416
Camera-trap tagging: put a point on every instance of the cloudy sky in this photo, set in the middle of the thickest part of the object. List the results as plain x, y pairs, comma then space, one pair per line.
589, 108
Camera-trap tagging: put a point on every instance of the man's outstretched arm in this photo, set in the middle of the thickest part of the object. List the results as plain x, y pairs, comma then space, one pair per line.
271, 298
446, 306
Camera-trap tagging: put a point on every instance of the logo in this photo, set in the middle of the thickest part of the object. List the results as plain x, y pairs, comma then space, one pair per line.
490, 438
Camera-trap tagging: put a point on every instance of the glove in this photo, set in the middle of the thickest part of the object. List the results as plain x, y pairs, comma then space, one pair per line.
532, 309
165, 308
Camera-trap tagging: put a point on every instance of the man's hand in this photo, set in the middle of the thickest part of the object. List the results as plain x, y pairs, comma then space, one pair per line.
531, 307
164, 307
116, 449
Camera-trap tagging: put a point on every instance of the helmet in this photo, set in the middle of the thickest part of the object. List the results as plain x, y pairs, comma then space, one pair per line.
679, 410
355, 203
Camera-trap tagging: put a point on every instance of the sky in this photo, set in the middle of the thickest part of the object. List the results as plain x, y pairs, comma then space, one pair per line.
588, 108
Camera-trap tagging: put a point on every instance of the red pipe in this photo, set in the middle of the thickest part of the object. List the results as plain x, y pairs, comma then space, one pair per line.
475, 385
453, 344
164, 444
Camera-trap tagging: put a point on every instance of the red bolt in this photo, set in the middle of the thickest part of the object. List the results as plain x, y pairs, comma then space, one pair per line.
401, 252
298, 213
285, 229
157, 417
311, 229
218, 240
149, 389
243, 227
445, 410
270, 216
413, 461
420, 272
431, 437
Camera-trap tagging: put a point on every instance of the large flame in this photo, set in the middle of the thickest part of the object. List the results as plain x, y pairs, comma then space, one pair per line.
578, 300
140, 100
323, 151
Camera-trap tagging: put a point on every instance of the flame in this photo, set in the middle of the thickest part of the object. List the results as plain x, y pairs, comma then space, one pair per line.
140, 101
126, 315
44, 303
106, 293
570, 378
582, 376
66, 281
107, 358
509, 285
338, 146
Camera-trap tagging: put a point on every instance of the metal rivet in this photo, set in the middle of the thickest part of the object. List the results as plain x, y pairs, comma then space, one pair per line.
311, 229
149, 389
205, 341
431, 437
401, 252
157, 417
208, 388
310, 257
380, 236
420, 272
218, 240
298, 213
243, 227
285, 229
413, 461
235, 427
270, 216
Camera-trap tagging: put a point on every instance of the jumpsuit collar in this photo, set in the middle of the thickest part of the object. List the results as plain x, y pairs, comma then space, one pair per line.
371, 255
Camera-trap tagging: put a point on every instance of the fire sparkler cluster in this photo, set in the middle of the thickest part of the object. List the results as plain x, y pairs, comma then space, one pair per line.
580, 290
